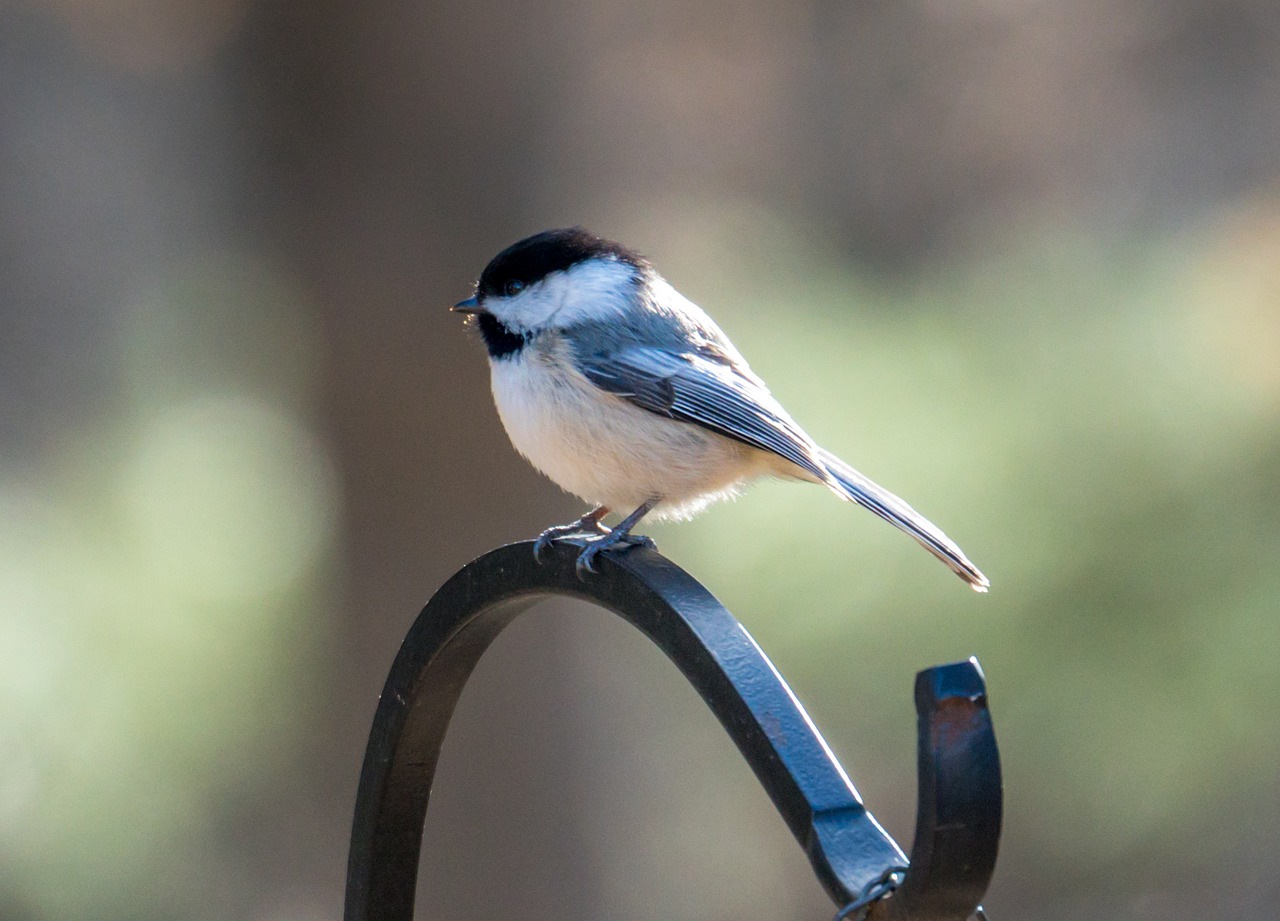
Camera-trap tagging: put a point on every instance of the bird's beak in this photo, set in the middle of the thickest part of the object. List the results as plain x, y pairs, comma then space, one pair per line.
470, 306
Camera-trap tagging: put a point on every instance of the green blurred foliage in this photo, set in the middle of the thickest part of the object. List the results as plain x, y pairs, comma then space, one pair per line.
159, 572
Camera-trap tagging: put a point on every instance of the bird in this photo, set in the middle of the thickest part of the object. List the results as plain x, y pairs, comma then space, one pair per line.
625, 393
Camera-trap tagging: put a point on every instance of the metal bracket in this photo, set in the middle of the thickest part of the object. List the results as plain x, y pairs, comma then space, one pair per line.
958, 820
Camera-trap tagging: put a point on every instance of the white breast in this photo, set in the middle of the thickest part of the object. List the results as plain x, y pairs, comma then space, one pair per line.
606, 450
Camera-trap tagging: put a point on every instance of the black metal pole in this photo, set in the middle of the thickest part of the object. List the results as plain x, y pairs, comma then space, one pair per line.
960, 784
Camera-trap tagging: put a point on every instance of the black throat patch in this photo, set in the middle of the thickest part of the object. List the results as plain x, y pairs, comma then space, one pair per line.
500, 339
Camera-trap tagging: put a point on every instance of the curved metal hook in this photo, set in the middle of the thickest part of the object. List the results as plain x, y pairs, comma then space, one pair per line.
959, 799
957, 829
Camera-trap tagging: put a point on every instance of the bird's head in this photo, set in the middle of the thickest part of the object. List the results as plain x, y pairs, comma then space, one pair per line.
552, 279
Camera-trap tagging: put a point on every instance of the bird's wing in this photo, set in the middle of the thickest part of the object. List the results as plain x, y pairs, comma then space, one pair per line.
708, 389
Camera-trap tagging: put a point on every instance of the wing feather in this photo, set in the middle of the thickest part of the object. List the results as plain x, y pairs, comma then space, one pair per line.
705, 389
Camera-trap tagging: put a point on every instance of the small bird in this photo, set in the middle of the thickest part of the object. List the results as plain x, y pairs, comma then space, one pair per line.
625, 393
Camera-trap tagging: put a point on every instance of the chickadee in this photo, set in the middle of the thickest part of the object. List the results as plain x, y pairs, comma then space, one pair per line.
625, 393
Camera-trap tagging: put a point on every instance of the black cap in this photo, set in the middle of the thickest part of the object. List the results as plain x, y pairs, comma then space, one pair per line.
536, 257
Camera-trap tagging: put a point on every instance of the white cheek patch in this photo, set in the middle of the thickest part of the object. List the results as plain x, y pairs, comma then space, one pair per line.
589, 290
528, 310
592, 290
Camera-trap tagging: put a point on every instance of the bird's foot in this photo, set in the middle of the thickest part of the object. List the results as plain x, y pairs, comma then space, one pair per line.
595, 538
617, 538
586, 526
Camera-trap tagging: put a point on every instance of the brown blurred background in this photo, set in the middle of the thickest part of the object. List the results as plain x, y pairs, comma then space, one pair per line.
1018, 262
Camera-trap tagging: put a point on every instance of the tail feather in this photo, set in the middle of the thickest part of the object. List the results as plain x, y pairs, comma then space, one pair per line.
851, 485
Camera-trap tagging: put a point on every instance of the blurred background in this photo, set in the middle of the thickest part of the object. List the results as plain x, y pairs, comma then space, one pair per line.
1019, 262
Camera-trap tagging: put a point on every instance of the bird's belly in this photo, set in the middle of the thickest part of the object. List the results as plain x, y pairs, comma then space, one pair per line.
610, 452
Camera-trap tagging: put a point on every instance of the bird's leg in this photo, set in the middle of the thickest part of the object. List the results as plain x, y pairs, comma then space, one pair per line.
587, 524
619, 535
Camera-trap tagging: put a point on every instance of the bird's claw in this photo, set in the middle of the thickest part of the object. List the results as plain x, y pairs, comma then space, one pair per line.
584, 527
623, 540
594, 537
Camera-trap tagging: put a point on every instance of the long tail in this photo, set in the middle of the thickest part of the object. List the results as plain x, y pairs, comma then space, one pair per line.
851, 485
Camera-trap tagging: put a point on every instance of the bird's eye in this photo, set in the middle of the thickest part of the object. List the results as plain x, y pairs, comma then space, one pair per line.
513, 287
